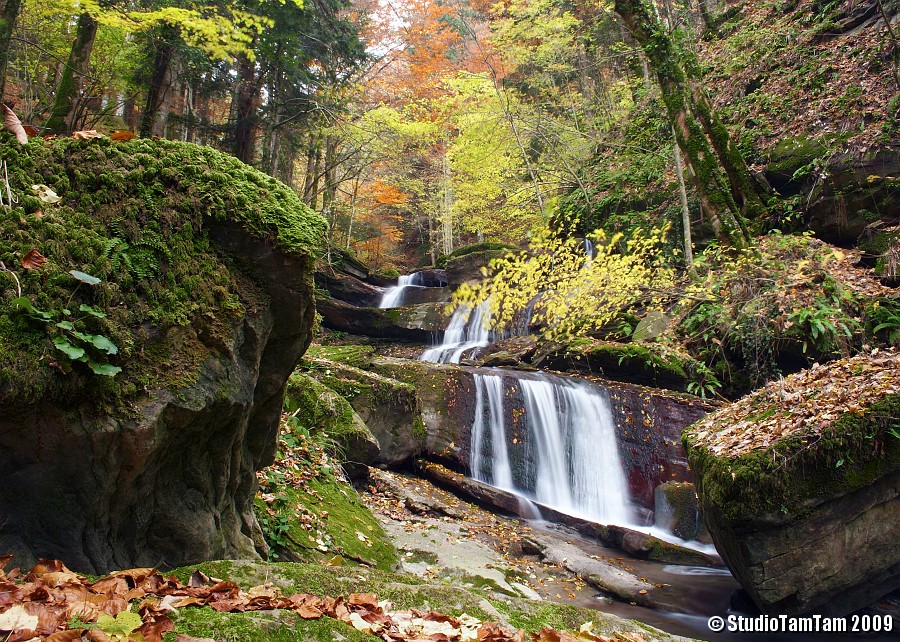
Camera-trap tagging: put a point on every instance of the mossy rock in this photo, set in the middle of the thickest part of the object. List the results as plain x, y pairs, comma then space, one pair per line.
388, 407
486, 246
324, 519
140, 216
812, 468
358, 356
627, 362
402, 590
320, 408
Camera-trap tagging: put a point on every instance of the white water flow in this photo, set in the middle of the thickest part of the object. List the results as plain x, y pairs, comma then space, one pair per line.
565, 456
393, 296
466, 332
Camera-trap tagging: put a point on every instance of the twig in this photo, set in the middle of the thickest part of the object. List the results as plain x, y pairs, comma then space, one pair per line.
9, 195
18, 285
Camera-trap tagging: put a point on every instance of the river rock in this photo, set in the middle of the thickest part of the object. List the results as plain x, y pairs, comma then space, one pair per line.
412, 323
348, 288
677, 510
799, 485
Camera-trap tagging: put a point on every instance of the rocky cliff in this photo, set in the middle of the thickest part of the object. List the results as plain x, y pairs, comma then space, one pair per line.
197, 270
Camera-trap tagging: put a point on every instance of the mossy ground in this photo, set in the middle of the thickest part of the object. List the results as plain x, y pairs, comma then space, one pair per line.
136, 215
404, 591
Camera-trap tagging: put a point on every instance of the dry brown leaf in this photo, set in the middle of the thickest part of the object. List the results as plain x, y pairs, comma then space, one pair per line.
70, 635
33, 260
122, 134
11, 123
181, 637
86, 134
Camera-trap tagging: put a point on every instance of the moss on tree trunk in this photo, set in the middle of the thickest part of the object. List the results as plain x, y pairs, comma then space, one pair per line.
64, 114
720, 172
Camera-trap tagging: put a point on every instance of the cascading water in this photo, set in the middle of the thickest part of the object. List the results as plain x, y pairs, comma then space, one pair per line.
565, 456
466, 332
393, 296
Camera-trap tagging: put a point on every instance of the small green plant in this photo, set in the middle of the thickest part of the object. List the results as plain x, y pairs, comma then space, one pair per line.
139, 258
886, 318
706, 384
69, 335
827, 325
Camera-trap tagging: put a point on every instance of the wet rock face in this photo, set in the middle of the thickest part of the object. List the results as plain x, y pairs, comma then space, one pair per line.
172, 482
840, 557
649, 432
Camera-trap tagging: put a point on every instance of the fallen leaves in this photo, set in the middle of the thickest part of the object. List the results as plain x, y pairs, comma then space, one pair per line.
804, 403
51, 596
33, 260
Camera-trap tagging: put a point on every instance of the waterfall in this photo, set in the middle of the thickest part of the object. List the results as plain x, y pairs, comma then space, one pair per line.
467, 331
564, 454
393, 296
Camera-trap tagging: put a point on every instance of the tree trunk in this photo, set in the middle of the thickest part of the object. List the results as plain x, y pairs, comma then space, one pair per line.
720, 173
160, 83
246, 102
71, 86
685, 212
9, 13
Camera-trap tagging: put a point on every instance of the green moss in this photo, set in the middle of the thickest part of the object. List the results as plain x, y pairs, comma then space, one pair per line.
181, 294
402, 590
328, 510
796, 472
358, 356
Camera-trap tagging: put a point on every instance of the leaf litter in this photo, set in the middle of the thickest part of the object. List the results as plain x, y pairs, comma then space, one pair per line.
805, 403
42, 604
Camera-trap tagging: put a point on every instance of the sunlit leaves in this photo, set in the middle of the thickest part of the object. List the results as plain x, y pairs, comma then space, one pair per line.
575, 295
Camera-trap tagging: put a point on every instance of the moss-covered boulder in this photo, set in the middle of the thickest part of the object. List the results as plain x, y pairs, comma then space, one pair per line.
388, 407
318, 407
190, 272
799, 485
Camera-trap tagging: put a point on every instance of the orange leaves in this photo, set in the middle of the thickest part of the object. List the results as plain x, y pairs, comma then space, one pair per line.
385, 194
122, 134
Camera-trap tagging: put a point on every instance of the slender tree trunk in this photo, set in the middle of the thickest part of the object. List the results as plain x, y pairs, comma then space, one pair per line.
71, 85
160, 83
720, 173
685, 211
246, 103
9, 13
330, 188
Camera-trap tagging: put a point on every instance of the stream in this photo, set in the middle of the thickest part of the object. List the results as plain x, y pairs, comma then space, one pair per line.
551, 440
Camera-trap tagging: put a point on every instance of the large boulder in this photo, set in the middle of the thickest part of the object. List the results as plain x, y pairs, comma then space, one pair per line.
799, 485
387, 407
412, 323
205, 288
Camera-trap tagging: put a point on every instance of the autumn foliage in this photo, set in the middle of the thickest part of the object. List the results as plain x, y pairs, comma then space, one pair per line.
42, 603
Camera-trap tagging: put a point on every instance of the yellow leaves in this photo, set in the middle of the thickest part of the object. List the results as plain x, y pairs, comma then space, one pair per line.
574, 294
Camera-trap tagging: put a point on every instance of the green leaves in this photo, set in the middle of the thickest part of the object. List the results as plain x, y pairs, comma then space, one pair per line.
73, 352
76, 344
84, 278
